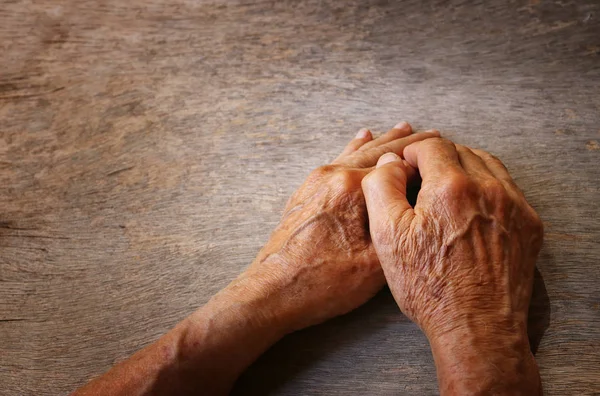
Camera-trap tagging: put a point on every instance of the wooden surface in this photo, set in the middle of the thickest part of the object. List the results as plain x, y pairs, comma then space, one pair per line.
147, 148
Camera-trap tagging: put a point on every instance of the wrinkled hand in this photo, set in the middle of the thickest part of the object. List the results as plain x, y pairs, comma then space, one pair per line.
461, 262
319, 261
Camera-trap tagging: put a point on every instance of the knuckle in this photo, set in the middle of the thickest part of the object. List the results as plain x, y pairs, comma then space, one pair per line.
497, 197
436, 142
535, 227
371, 178
498, 162
321, 172
535, 220
494, 189
456, 184
344, 179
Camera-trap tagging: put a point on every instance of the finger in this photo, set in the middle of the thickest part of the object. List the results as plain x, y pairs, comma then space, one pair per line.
385, 195
497, 168
363, 136
368, 158
402, 129
493, 164
412, 174
434, 158
472, 163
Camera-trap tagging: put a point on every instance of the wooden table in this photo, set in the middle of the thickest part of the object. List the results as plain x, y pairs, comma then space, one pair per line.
148, 147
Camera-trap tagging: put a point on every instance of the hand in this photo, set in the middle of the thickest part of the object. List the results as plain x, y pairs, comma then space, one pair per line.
461, 262
319, 261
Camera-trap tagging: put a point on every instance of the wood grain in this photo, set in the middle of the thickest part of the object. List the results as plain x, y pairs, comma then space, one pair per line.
147, 148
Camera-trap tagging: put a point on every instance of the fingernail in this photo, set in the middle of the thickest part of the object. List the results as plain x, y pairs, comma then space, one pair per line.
401, 125
363, 133
386, 158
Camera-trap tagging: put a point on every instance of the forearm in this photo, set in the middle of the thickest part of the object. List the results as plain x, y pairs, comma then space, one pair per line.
482, 359
204, 353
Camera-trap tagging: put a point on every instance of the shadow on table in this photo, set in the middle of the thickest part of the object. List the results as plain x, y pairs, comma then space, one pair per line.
539, 312
301, 350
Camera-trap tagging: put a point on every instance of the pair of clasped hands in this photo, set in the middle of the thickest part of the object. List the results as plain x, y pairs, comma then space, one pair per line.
459, 263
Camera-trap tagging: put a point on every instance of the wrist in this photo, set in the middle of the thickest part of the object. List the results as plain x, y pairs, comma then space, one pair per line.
253, 301
217, 342
264, 292
485, 356
245, 308
279, 293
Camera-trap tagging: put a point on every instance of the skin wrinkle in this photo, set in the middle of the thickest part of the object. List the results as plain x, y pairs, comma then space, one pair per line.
469, 289
296, 208
460, 264
337, 199
312, 221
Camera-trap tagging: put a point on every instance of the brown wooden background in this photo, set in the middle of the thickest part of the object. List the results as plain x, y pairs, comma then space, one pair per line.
147, 148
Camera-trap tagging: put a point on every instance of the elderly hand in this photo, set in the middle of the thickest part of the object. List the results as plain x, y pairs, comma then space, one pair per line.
460, 263
319, 261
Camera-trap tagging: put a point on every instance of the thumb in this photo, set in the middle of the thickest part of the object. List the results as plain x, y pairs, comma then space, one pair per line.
385, 195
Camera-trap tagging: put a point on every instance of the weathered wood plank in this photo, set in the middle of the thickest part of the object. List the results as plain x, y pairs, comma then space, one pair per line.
147, 147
